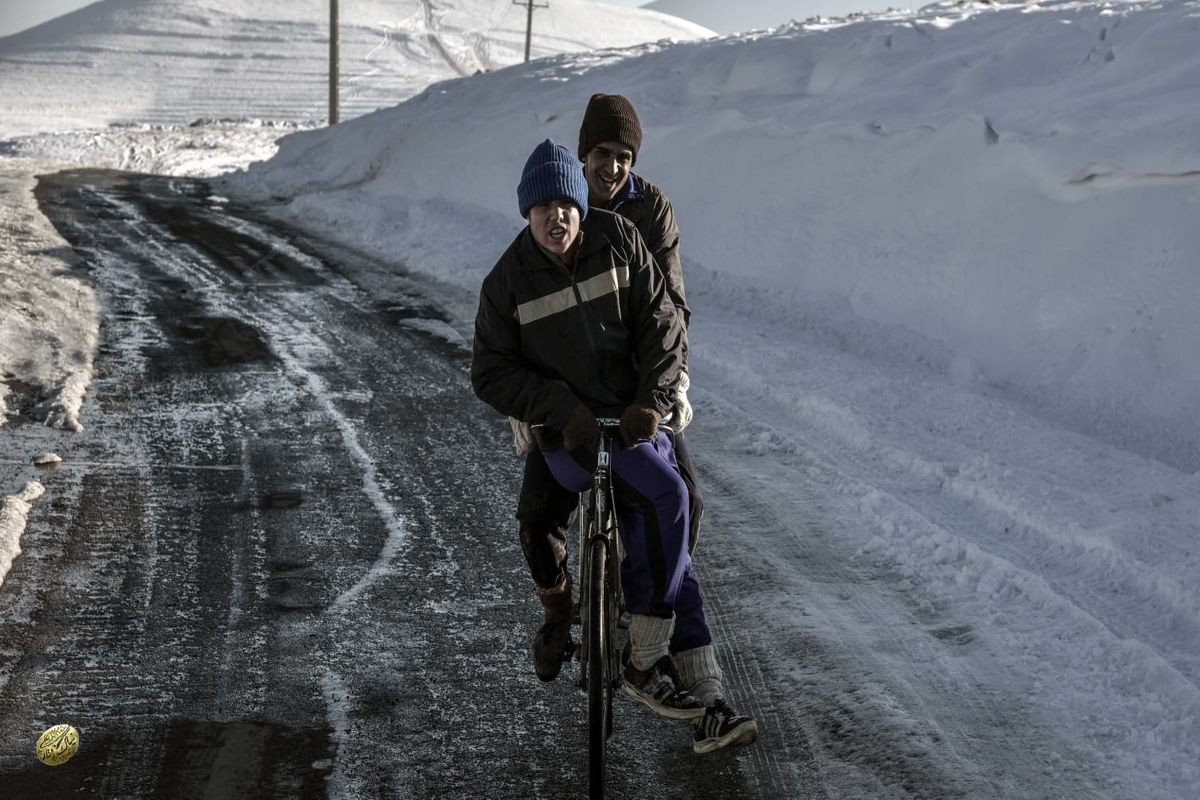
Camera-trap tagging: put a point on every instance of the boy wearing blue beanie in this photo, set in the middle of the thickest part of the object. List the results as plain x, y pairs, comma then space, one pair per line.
552, 173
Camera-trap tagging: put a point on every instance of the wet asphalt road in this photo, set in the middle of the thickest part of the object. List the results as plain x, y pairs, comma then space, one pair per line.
280, 561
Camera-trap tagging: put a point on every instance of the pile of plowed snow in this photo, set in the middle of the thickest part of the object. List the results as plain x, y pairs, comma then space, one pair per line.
1006, 193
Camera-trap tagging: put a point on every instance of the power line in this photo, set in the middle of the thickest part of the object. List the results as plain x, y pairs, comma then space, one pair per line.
333, 62
531, 5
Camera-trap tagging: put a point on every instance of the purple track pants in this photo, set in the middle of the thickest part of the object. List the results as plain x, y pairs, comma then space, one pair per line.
652, 509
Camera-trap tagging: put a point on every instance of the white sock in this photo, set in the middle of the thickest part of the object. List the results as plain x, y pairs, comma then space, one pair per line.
700, 673
649, 638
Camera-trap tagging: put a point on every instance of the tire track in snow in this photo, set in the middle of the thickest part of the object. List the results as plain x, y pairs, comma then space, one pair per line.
966, 532
798, 715
158, 567
863, 667
288, 339
395, 523
779, 761
397, 526
1076, 562
935, 572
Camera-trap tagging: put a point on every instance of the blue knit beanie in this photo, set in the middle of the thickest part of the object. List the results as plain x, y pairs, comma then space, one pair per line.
552, 173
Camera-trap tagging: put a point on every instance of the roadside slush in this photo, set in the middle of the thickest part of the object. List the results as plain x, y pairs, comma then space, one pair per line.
49, 332
49, 313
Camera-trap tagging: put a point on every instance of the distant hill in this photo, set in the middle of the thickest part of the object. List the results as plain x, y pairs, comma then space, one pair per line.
174, 61
725, 17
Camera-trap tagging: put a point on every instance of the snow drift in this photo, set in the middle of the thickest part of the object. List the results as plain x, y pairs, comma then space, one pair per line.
49, 315
1006, 193
725, 17
14, 514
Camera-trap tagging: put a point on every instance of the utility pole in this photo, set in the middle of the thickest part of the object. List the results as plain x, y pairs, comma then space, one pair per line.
529, 22
333, 62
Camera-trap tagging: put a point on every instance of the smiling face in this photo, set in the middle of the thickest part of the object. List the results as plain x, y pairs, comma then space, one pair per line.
555, 225
606, 168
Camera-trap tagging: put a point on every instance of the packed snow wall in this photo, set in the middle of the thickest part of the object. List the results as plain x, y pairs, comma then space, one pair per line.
1004, 193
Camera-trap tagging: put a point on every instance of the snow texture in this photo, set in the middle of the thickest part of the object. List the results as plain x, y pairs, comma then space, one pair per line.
14, 512
725, 17
171, 62
1001, 192
49, 318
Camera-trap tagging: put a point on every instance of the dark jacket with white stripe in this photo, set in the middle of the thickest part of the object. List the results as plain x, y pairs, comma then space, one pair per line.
606, 334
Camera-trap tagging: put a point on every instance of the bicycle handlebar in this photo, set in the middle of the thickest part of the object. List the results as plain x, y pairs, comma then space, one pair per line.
612, 425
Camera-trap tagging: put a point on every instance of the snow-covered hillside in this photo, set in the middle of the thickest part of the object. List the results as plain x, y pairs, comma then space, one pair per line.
747, 15
176, 61
1004, 194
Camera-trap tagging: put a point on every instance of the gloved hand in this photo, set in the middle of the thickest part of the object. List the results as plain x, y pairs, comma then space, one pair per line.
681, 414
639, 422
581, 429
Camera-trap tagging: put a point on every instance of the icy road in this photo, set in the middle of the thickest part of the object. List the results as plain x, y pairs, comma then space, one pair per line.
281, 562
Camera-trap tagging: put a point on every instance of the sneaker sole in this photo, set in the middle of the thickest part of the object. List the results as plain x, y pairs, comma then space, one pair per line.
687, 714
746, 733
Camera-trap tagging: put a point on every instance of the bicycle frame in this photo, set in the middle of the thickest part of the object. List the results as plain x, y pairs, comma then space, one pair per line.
600, 605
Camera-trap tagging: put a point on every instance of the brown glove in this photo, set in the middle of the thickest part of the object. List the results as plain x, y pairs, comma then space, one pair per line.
581, 429
639, 422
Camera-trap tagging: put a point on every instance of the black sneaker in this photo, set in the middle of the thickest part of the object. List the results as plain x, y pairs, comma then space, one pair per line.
721, 727
657, 688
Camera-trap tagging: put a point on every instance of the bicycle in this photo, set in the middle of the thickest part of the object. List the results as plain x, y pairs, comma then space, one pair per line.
600, 603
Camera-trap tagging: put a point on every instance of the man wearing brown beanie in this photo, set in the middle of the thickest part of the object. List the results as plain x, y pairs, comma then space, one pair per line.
610, 137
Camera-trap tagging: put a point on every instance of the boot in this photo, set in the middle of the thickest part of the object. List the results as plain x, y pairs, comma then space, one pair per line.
552, 643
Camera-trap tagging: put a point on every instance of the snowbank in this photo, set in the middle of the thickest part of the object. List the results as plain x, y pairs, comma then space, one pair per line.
49, 319
14, 511
725, 17
1005, 193
201, 149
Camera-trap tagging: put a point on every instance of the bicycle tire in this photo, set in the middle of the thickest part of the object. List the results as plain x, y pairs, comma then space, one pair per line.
598, 688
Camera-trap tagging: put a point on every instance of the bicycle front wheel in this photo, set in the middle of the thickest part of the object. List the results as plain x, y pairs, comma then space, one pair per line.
599, 689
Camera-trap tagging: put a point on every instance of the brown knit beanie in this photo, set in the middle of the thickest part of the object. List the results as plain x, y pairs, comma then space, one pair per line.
609, 118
